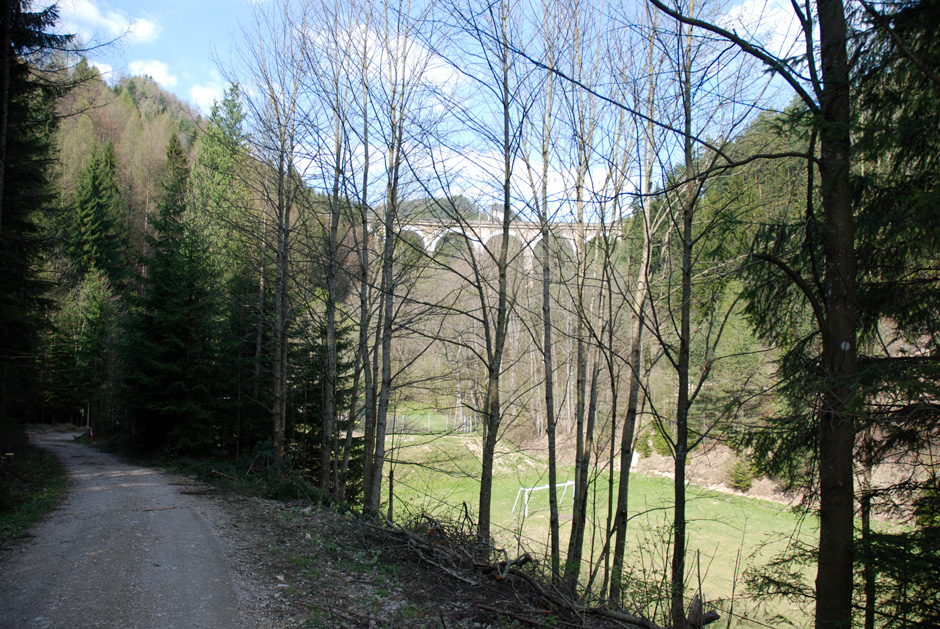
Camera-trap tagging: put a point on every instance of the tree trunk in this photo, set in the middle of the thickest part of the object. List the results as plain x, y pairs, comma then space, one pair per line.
339, 491
550, 419
388, 304
682, 432
281, 316
459, 421
328, 443
836, 423
868, 574
491, 434
638, 311
6, 62
688, 204
579, 519
582, 457
259, 324
365, 297
629, 426
497, 337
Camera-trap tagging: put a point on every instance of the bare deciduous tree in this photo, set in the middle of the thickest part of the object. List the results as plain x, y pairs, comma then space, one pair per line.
272, 59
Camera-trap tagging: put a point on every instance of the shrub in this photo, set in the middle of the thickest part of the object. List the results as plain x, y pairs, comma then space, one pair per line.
927, 505
660, 443
741, 474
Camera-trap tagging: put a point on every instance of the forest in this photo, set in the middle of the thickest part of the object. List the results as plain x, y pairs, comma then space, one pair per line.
586, 230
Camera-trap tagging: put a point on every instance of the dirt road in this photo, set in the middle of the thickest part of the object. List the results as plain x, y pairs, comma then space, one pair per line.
128, 547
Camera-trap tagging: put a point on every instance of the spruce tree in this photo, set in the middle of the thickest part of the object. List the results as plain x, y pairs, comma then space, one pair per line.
899, 238
173, 337
79, 358
25, 194
896, 415
25, 45
99, 241
222, 201
306, 435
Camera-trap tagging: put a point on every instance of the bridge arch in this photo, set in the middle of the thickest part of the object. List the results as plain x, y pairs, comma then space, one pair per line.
537, 245
517, 241
448, 236
415, 233
432, 236
595, 240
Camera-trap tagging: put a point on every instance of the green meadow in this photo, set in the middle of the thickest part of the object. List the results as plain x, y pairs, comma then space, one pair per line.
727, 533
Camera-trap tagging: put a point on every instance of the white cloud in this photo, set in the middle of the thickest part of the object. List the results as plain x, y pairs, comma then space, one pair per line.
159, 71
421, 64
105, 69
767, 21
205, 95
143, 30
94, 21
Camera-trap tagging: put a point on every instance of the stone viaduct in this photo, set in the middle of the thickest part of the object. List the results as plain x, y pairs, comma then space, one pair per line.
432, 233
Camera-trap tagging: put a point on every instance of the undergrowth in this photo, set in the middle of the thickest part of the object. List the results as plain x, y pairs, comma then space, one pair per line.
30, 486
243, 477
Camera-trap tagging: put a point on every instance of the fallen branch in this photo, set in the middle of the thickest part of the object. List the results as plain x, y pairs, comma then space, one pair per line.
350, 618
502, 568
458, 562
452, 573
696, 619
573, 606
499, 612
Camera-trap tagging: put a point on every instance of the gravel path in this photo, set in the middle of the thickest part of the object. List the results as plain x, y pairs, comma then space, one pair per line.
131, 547
128, 547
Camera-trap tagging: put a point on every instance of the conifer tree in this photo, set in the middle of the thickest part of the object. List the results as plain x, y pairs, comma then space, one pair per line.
79, 359
25, 193
99, 239
898, 238
307, 395
228, 218
24, 39
173, 336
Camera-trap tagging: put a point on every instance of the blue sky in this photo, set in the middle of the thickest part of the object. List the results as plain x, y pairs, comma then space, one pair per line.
174, 41
177, 43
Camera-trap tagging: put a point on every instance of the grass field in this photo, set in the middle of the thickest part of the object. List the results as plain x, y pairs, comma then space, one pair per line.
727, 533
413, 417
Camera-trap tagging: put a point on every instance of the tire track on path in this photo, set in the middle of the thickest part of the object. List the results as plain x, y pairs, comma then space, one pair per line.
124, 549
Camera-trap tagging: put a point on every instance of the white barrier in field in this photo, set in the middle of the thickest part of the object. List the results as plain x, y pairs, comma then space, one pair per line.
528, 492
